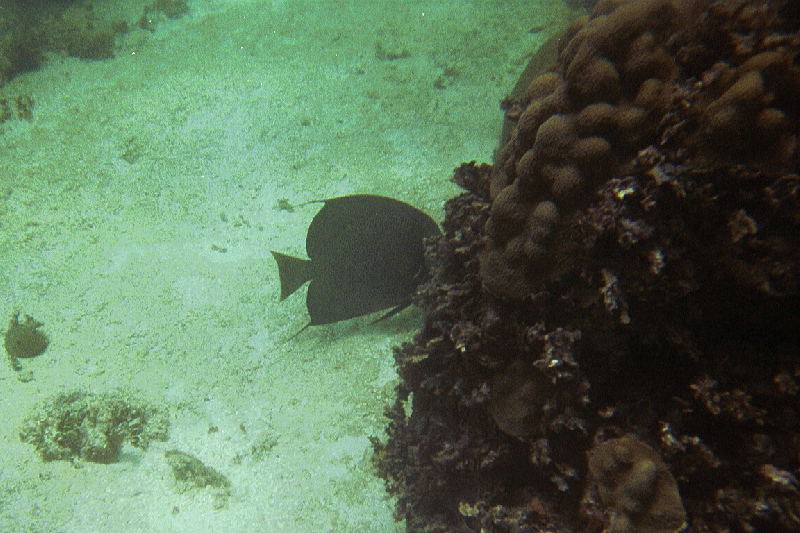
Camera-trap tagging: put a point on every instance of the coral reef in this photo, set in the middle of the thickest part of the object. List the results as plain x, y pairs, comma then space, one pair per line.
611, 333
92, 427
30, 29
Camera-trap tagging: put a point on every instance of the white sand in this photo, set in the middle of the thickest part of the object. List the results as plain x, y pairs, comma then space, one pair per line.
222, 113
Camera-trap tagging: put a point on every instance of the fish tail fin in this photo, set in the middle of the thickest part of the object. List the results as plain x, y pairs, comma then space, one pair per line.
293, 272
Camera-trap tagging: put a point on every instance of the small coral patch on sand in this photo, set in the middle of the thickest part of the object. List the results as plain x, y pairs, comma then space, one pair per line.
92, 427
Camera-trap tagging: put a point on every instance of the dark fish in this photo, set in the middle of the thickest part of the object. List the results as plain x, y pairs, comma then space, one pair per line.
366, 254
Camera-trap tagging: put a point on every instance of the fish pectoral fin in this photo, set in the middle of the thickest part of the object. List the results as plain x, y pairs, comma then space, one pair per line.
293, 272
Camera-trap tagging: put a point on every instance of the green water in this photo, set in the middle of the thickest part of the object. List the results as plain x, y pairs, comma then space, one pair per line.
138, 205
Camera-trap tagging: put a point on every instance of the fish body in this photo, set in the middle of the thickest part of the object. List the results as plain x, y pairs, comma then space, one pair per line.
366, 253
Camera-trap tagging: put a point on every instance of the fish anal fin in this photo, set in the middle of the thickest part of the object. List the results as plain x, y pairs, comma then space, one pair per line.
293, 272
391, 312
299, 332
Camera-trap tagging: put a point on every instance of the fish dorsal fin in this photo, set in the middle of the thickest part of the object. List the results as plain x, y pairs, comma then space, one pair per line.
293, 272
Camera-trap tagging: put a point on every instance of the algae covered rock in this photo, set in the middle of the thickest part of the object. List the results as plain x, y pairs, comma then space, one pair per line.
635, 485
92, 426
191, 473
23, 339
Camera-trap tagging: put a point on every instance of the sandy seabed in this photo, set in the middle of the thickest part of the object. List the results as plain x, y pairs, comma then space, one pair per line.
137, 211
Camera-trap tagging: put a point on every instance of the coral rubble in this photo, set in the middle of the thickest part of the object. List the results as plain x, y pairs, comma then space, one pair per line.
92, 427
612, 333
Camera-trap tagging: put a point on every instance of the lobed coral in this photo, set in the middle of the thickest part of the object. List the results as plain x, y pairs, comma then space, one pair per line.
620, 292
581, 123
636, 486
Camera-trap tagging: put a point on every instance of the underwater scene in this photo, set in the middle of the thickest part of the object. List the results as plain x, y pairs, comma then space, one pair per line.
490, 266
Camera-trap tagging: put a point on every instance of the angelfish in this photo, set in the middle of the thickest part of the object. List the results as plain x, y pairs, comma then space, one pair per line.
366, 254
